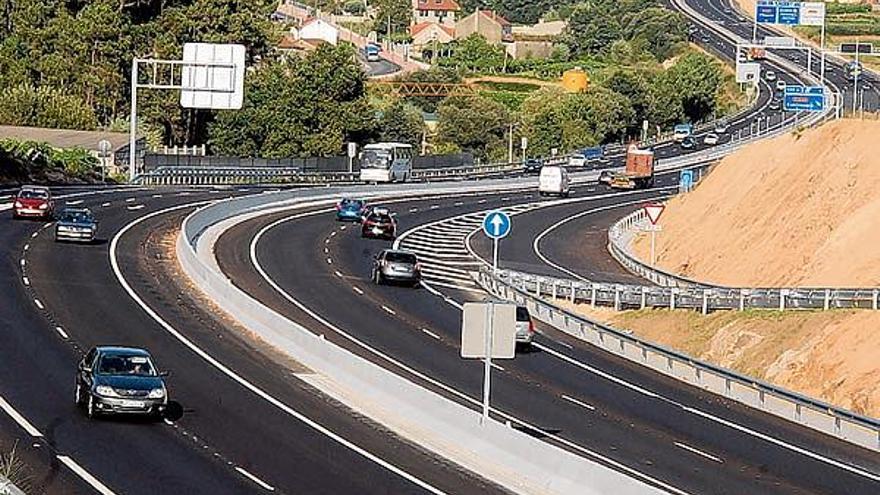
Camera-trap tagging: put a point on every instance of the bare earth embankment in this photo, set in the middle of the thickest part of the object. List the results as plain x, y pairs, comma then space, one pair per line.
792, 211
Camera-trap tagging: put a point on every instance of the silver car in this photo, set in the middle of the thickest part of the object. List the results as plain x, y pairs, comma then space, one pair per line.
525, 327
394, 265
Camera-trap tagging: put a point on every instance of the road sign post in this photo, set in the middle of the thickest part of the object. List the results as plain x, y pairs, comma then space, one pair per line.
496, 225
352, 152
488, 331
104, 148
653, 212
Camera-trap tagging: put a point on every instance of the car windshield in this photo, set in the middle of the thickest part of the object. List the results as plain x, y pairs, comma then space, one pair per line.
522, 314
375, 217
121, 364
375, 159
33, 194
352, 203
407, 258
75, 217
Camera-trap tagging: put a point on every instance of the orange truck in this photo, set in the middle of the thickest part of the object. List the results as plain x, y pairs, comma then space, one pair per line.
639, 170
757, 53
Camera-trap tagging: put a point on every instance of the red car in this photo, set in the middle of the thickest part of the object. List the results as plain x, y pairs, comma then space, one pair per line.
379, 223
33, 202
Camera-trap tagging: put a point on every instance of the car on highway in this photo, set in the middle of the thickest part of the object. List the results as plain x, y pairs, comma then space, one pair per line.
688, 143
721, 127
533, 165
350, 210
120, 380
775, 105
577, 160
75, 224
780, 85
395, 265
605, 177
711, 139
525, 327
33, 202
770, 75
379, 224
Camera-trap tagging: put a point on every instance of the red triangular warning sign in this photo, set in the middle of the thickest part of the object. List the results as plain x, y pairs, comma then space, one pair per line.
654, 210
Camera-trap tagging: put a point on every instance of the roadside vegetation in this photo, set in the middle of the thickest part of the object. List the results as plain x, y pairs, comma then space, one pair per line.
29, 161
14, 469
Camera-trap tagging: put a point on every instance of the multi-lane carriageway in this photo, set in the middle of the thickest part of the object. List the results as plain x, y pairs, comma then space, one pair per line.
57, 300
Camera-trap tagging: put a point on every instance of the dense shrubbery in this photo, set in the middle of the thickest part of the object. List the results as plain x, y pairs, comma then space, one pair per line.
27, 160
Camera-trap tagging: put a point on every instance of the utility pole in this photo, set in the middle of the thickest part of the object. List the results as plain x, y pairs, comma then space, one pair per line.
510, 144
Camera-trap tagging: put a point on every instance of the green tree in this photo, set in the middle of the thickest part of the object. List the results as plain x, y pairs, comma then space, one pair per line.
696, 79
474, 124
632, 85
474, 54
657, 30
397, 13
305, 106
402, 122
26, 105
591, 30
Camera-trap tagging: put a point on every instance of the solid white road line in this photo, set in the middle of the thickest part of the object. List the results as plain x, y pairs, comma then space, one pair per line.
18, 418
256, 480
82, 473
114, 262
575, 401
699, 452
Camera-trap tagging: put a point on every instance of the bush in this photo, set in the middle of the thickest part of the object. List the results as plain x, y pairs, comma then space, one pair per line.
27, 105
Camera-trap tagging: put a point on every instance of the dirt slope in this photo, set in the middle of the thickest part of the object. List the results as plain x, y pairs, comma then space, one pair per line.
797, 210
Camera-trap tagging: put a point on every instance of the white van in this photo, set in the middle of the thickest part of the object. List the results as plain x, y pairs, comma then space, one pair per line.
553, 180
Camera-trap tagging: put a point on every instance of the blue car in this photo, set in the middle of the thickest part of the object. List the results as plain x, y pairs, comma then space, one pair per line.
76, 224
350, 210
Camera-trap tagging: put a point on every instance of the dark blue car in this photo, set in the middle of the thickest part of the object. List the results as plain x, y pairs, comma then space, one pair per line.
350, 210
75, 224
120, 380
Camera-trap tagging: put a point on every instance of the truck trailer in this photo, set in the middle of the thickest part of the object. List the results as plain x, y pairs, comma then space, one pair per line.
638, 172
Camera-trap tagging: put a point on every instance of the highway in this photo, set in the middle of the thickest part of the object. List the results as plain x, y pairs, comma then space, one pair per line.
226, 431
58, 300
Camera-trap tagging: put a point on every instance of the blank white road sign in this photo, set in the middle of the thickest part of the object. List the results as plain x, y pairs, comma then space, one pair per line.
216, 78
475, 320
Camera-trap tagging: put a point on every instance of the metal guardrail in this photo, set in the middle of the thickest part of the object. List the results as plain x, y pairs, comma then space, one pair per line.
677, 291
826, 418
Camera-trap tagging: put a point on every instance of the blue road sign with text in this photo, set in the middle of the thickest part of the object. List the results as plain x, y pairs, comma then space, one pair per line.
778, 12
686, 179
803, 98
496, 224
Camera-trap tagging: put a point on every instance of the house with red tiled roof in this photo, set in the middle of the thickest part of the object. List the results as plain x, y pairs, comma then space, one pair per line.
486, 23
436, 11
428, 39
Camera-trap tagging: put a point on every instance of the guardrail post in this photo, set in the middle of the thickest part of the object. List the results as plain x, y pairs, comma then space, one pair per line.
572, 292
554, 289
742, 299
616, 298
538, 287
644, 298
827, 299
705, 301
593, 295
672, 298
782, 293
874, 300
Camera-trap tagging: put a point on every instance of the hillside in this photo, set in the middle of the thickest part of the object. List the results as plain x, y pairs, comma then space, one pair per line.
797, 210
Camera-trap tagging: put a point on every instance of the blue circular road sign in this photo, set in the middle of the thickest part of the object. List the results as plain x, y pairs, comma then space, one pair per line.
496, 224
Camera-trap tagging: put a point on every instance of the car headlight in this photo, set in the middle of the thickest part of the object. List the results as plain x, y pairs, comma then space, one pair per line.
106, 391
44, 206
156, 393
63, 228
18, 204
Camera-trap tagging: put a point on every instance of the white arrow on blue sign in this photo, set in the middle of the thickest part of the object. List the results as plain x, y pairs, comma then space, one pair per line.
496, 224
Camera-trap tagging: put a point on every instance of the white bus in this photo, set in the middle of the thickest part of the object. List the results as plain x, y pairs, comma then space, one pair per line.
386, 162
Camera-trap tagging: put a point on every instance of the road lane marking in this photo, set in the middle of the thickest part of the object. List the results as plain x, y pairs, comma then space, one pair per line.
388, 310
135, 207
339, 439
129, 200
358, 290
481, 201
699, 452
105, 205
432, 334
458, 203
18, 418
256, 480
74, 202
342, 228
413, 210
22, 262
39, 304
338, 274
85, 475
35, 234
499, 368
62, 333
27, 246
26, 281
329, 261
575, 401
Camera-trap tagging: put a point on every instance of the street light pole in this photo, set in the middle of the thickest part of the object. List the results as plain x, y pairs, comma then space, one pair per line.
132, 139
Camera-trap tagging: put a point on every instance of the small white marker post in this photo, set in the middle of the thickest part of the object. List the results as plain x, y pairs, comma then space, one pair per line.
653, 212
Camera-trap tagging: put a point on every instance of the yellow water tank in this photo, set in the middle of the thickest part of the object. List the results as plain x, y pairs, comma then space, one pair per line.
575, 80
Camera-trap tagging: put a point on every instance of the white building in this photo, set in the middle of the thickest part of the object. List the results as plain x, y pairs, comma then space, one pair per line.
319, 30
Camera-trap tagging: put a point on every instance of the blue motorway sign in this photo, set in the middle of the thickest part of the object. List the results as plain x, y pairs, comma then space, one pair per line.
496, 224
686, 180
803, 98
778, 12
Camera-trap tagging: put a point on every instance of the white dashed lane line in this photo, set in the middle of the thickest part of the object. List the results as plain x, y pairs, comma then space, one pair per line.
434, 207
129, 200
699, 452
388, 310
256, 480
432, 334
26, 281
22, 262
575, 401
74, 203
39, 304
62, 333
358, 290
105, 205
329, 261
35, 234
338, 274
135, 207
